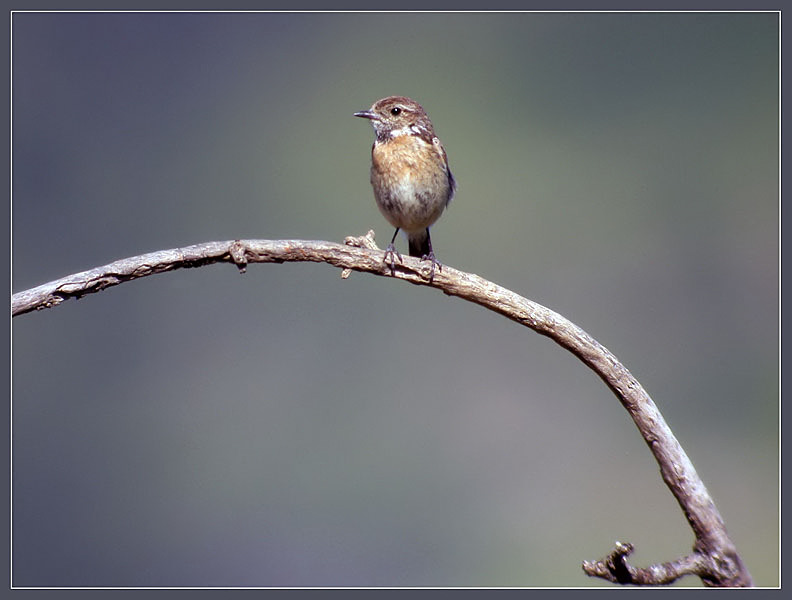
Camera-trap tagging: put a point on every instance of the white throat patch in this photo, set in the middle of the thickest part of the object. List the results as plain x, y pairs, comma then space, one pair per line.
411, 130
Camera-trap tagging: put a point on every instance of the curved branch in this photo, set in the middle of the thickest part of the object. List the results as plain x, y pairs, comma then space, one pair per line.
714, 557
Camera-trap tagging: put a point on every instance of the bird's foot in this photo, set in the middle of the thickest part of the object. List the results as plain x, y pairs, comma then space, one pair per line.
435, 263
392, 252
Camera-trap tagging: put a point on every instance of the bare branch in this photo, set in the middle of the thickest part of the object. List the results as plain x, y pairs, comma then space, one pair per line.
714, 557
615, 568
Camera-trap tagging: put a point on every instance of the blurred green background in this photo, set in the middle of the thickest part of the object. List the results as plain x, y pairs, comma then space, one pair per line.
289, 428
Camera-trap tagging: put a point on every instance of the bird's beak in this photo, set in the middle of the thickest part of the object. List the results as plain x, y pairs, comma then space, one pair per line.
367, 114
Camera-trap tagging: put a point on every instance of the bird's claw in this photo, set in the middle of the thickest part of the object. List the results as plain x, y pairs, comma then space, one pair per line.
392, 252
435, 263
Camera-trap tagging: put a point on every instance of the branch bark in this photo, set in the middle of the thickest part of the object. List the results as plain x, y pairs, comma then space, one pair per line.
714, 558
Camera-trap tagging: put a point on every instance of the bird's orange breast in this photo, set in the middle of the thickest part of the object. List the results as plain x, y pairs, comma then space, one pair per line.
407, 157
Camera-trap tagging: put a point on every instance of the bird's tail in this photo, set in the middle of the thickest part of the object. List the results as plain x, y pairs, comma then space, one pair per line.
420, 244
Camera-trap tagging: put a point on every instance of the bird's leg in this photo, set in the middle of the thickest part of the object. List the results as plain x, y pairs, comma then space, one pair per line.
431, 256
391, 250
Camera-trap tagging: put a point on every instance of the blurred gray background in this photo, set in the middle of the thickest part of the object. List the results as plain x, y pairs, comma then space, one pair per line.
289, 428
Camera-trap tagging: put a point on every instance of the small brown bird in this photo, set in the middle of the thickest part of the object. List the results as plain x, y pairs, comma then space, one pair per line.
409, 173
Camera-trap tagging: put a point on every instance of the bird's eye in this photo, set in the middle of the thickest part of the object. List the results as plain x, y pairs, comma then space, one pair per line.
395, 110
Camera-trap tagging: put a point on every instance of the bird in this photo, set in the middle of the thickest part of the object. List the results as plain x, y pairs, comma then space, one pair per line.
409, 174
